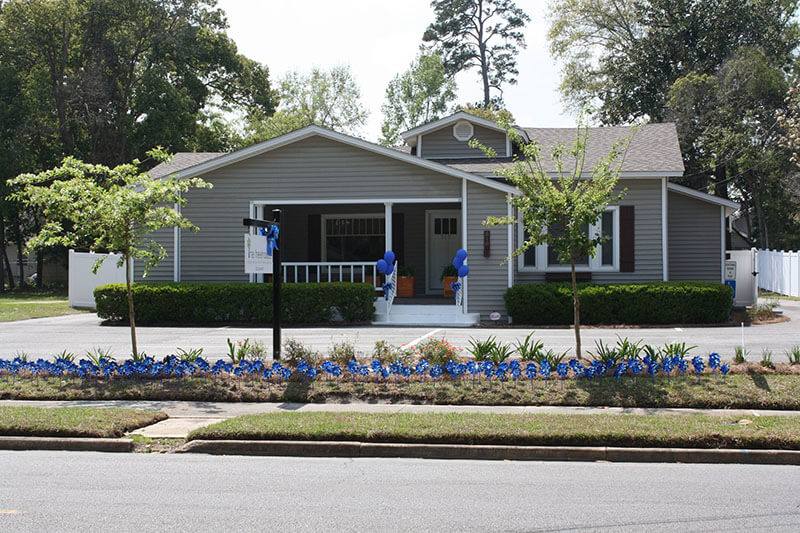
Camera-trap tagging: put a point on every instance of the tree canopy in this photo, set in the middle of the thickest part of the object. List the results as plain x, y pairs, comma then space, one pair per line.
419, 95
624, 55
486, 34
329, 98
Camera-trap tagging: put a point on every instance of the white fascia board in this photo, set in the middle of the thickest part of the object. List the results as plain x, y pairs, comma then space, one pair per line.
730, 205
411, 134
310, 131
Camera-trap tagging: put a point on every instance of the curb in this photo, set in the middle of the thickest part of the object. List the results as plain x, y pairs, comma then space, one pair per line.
66, 443
489, 452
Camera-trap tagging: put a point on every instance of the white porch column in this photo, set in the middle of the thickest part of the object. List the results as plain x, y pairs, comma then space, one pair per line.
388, 225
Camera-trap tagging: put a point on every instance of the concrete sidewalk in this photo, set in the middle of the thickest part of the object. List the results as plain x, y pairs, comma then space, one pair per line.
186, 416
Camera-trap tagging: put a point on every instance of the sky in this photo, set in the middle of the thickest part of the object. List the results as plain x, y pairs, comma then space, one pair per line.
378, 39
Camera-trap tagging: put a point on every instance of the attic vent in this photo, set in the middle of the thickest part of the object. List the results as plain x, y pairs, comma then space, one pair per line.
462, 130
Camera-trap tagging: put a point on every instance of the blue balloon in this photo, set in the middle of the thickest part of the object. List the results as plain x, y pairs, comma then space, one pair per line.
389, 269
462, 254
463, 270
457, 262
381, 265
389, 257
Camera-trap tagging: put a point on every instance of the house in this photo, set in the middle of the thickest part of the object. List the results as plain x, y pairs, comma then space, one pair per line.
345, 201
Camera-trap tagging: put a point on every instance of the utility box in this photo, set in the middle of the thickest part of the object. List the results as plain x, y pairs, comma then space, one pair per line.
741, 273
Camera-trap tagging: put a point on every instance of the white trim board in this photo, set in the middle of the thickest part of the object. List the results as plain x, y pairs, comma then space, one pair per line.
376, 201
691, 193
311, 131
446, 121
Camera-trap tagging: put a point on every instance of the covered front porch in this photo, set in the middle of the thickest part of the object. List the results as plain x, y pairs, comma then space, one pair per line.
341, 241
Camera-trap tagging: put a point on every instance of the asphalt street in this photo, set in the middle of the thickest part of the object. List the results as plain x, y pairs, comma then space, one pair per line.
45, 337
72, 491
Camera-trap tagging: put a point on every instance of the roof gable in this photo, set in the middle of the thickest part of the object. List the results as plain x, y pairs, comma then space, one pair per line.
223, 160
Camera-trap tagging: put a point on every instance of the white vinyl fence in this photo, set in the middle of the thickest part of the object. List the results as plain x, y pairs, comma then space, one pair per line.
82, 281
779, 272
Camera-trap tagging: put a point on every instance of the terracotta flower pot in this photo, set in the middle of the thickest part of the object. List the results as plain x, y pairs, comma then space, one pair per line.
447, 280
405, 287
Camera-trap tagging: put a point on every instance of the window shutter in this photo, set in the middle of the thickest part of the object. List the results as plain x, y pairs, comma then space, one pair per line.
314, 237
626, 239
398, 237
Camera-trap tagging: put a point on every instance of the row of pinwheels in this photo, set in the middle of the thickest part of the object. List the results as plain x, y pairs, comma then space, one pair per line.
422, 370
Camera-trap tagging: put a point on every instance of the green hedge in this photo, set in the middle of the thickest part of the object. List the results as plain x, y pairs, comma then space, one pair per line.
671, 302
208, 303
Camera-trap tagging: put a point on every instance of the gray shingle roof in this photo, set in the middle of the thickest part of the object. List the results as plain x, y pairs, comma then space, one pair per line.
182, 160
654, 147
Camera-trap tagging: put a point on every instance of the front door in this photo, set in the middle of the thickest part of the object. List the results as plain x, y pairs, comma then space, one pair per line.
442, 241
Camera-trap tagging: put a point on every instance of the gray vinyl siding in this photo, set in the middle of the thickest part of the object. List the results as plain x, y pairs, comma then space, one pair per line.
488, 276
645, 196
441, 144
164, 271
694, 235
311, 169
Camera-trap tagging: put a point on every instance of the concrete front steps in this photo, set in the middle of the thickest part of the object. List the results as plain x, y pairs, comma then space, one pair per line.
423, 315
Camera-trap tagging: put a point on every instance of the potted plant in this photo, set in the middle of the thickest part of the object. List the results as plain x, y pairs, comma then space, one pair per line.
406, 282
449, 275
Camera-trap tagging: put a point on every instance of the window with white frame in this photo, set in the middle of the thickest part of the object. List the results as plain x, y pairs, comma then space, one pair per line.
353, 237
544, 258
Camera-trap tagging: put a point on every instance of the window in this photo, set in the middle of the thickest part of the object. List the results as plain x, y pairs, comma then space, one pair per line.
353, 237
544, 258
445, 226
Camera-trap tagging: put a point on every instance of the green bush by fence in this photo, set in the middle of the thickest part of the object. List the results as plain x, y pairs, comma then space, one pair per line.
208, 303
671, 302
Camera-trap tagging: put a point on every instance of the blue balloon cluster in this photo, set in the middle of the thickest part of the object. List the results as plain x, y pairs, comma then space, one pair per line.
458, 263
386, 265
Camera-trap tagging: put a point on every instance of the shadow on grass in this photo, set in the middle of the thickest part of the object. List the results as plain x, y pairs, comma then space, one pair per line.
760, 381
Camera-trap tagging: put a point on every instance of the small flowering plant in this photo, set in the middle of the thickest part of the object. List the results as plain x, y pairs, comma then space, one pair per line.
437, 351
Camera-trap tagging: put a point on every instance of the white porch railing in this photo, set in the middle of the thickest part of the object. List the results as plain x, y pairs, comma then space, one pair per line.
779, 272
315, 272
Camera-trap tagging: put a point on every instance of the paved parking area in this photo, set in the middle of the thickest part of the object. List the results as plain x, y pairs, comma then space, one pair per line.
45, 337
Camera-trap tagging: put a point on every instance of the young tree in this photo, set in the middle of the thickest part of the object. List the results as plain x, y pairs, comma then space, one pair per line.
479, 33
112, 209
571, 202
326, 98
419, 95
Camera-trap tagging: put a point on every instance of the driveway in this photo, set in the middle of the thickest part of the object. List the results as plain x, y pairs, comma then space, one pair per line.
44, 337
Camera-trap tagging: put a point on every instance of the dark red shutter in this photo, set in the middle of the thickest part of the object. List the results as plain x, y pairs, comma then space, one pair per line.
314, 237
626, 239
398, 237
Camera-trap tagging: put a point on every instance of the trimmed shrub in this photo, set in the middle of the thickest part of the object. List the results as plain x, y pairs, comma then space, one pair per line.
660, 302
209, 303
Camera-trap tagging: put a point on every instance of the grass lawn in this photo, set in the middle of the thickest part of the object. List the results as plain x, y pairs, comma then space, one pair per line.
688, 431
746, 391
73, 421
21, 306
774, 295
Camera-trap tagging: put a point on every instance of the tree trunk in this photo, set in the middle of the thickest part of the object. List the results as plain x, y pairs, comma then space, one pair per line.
720, 181
20, 249
5, 264
39, 268
131, 316
2, 254
482, 50
577, 308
